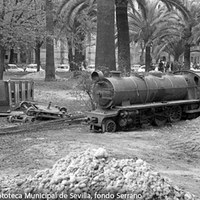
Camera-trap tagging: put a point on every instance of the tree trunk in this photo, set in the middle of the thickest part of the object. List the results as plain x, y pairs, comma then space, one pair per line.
176, 55
78, 59
37, 54
187, 57
89, 49
62, 51
2, 50
142, 55
2, 63
123, 37
12, 59
70, 56
50, 65
148, 58
105, 41
187, 33
75, 60
29, 56
22, 56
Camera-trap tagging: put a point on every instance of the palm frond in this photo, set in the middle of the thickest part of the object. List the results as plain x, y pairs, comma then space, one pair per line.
178, 5
143, 7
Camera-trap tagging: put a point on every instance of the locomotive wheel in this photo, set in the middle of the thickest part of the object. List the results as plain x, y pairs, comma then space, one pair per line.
175, 113
63, 110
11, 119
30, 111
24, 104
159, 120
25, 120
110, 126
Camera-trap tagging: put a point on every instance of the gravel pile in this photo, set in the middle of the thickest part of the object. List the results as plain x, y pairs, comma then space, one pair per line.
94, 175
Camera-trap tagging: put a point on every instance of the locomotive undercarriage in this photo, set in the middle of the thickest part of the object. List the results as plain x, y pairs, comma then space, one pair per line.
126, 119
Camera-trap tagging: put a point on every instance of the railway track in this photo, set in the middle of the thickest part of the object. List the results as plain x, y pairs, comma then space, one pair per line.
44, 125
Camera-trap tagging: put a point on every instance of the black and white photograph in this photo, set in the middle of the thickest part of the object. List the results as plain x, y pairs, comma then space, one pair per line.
99, 99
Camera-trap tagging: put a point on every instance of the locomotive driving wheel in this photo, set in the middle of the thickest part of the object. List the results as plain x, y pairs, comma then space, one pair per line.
110, 125
159, 120
175, 113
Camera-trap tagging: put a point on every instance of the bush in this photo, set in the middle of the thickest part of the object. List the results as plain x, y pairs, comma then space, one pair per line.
85, 84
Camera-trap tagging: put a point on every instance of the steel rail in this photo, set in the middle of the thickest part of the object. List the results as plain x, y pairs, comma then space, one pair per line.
43, 125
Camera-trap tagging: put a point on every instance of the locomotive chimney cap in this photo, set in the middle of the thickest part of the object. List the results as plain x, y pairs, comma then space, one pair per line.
115, 73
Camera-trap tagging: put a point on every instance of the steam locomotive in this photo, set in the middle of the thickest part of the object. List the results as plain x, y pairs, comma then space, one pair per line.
147, 98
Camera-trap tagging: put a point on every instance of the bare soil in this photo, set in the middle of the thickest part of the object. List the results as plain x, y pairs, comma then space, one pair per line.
173, 150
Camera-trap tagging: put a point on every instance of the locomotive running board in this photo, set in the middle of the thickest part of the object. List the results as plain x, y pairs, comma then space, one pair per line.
192, 111
150, 105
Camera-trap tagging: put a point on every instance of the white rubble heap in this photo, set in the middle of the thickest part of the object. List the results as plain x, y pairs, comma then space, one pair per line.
94, 175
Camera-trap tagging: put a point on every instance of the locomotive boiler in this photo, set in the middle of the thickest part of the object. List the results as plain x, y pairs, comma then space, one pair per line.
147, 98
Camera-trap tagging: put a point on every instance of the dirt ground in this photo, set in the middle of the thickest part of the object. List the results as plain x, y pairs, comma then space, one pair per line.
173, 150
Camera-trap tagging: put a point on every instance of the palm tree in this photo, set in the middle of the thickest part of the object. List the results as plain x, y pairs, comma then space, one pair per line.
77, 20
151, 23
50, 66
123, 36
188, 10
105, 45
172, 45
189, 32
123, 27
190, 23
104, 36
2, 49
105, 41
196, 33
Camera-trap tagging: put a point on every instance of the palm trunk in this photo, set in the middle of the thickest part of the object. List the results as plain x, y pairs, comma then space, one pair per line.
29, 56
105, 42
2, 63
2, 49
37, 54
78, 57
89, 48
62, 51
50, 66
187, 56
176, 65
70, 56
79, 54
177, 52
11, 60
123, 37
148, 58
142, 55
75, 60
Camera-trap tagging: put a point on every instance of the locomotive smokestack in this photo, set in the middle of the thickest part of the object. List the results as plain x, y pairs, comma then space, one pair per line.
97, 75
